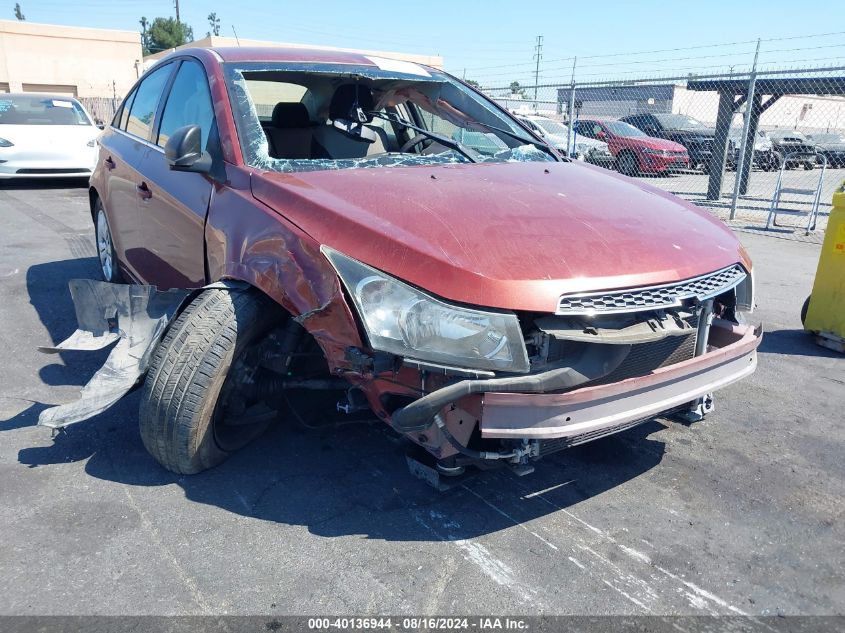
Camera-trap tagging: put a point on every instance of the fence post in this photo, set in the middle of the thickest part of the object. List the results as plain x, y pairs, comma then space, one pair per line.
569, 137
744, 141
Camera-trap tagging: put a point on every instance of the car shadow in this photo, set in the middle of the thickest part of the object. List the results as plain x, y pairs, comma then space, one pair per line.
47, 286
794, 343
353, 480
333, 480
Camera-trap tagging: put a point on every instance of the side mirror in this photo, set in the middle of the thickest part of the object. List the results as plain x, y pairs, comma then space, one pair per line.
601, 135
183, 151
99, 123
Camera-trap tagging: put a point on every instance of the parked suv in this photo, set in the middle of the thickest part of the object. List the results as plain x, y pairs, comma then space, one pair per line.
633, 150
492, 306
831, 145
794, 148
685, 130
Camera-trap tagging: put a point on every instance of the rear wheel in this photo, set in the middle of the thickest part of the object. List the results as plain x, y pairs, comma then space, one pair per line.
191, 414
105, 245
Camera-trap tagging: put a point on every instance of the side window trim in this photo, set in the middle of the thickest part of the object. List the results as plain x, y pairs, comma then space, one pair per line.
166, 97
168, 65
125, 107
162, 101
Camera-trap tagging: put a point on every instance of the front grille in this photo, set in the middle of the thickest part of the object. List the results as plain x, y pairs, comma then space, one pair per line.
53, 171
652, 297
547, 447
560, 443
644, 358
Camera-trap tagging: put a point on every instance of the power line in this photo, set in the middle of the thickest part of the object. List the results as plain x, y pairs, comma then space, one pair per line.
668, 50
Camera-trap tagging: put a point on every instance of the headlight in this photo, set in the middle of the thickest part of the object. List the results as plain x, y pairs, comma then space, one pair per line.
5, 143
405, 321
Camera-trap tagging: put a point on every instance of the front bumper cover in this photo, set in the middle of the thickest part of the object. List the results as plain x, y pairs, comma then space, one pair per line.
589, 410
522, 407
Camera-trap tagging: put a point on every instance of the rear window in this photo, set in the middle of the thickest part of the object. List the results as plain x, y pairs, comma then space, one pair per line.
41, 110
266, 94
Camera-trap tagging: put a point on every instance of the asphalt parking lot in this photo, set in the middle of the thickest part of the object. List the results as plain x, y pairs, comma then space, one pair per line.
739, 514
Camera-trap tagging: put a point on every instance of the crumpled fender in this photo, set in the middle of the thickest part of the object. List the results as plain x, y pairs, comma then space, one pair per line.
250, 242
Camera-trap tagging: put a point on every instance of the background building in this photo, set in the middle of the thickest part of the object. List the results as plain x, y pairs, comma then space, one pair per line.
96, 65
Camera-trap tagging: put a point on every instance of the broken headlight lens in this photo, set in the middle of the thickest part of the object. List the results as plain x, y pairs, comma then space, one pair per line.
405, 321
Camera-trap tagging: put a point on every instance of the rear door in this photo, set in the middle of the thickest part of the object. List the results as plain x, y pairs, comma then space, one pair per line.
174, 205
123, 150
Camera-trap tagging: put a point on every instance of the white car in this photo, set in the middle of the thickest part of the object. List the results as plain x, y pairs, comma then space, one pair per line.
45, 136
556, 133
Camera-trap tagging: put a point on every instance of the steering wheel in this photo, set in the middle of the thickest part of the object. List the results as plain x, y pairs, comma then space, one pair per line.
419, 138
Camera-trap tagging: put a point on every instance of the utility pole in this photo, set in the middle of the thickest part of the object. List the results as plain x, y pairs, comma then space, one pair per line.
570, 138
743, 148
176, 2
538, 54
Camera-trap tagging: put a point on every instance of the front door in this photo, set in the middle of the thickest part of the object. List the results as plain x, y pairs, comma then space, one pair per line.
174, 204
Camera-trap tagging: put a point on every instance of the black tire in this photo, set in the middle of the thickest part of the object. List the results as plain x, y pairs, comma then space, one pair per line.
104, 244
183, 405
628, 164
809, 166
804, 309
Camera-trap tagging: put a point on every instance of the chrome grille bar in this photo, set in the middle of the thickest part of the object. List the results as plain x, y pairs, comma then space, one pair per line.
652, 297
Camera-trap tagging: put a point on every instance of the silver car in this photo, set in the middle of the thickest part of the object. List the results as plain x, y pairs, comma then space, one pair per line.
43, 136
585, 148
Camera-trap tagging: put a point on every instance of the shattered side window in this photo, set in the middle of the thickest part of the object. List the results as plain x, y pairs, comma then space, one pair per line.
337, 116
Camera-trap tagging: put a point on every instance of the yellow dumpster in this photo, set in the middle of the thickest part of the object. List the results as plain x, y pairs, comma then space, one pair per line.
824, 311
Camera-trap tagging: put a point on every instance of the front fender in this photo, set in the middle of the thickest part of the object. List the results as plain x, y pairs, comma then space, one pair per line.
251, 243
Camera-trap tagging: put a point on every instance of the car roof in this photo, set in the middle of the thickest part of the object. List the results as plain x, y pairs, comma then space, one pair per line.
43, 95
288, 54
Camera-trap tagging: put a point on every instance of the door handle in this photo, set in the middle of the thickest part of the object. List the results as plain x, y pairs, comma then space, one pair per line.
144, 191
109, 163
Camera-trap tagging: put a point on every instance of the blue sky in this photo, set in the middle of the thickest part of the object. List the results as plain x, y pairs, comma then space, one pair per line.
494, 40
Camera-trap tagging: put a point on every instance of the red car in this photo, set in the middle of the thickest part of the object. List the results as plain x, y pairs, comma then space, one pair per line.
635, 151
325, 230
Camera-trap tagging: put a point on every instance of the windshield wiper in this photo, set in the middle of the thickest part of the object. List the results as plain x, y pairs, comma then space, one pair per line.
469, 153
524, 139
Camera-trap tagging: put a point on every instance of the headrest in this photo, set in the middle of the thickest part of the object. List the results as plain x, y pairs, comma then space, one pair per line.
288, 115
344, 99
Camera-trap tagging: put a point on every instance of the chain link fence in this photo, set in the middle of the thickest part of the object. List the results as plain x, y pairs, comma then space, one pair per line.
100, 108
783, 131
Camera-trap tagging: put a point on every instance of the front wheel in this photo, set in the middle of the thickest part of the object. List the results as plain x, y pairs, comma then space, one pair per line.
191, 414
627, 164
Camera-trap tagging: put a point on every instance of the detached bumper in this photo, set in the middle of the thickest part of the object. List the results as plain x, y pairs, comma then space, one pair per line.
600, 410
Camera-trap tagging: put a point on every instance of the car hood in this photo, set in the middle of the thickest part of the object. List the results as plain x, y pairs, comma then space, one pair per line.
39, 137
559, 141
652, 142
506, 235
702, 133
832, 147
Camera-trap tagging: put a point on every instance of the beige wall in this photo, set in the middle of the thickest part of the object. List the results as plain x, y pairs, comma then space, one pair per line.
69, 60
216, 40
807, 113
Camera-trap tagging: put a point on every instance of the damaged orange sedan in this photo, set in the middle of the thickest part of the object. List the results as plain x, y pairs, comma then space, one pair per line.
381, 236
